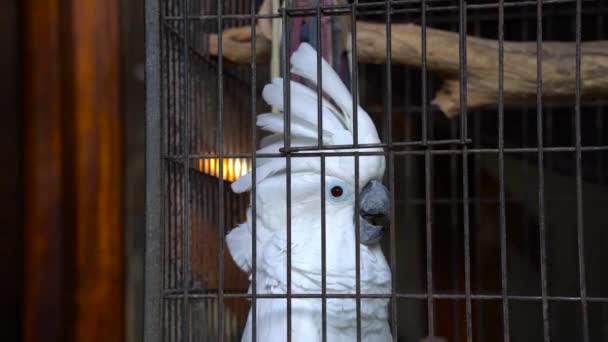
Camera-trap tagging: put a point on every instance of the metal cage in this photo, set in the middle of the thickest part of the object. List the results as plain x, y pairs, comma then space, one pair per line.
498, 226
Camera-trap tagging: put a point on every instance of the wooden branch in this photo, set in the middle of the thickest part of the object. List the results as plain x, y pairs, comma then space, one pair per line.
236, 42
558, 64
236, 45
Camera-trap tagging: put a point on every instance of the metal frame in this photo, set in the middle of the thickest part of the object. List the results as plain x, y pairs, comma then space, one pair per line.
426, 147
154, 224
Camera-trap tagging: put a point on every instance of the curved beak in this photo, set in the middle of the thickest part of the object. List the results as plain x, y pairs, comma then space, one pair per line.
374, 215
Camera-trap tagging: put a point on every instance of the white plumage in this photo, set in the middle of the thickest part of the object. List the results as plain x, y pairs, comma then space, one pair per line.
271, 232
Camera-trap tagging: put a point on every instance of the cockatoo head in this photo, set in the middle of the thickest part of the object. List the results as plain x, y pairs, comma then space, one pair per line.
306, 172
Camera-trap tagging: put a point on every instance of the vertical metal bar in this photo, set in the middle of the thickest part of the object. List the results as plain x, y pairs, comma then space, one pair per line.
323, 255
173, 320
429, 243
254, 244
453, 197
454, 234
388, 113
423, 65
357, 250
355, 71
355, 96
319, 77
501, 173
462, 50
167, 243
479, 322
541, 169
185, 160
393, 243
579, 181
153, 257
221, 212
172, 247
195, 146
166, 126
174, 198
462, 47
287, 144
525, 113
323, 199
193, 108
600, 109
427, 183
173, 118
551, 17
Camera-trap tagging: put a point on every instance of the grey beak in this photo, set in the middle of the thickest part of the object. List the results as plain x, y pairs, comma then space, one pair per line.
374, 213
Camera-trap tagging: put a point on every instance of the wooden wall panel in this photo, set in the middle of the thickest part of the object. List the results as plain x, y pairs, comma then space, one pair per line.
44, 309
96, 158
11, 181
73, 137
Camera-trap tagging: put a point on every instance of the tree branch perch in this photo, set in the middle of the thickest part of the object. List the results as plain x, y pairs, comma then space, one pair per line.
558, 64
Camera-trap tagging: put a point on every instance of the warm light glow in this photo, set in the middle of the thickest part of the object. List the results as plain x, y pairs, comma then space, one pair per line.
212, 167
232, 168
237, 167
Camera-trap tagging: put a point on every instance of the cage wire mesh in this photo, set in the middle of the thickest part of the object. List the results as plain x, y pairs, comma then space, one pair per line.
499, 224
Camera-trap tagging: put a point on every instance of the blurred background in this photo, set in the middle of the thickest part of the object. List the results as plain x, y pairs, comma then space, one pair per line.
72, 90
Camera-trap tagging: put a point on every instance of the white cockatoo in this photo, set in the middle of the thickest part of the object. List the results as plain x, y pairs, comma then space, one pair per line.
306, 248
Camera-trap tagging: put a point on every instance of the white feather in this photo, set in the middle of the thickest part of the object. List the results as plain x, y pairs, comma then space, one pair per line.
271, 139
304, 63
275, 123
304, 104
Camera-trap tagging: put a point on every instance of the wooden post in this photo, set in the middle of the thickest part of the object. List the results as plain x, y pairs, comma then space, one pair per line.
96, 162
44, 303
73, 162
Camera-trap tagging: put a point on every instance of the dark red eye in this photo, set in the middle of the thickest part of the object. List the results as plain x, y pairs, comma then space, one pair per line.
337, 191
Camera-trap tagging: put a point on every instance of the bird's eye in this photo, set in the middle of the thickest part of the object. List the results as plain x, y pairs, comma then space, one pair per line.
337, 191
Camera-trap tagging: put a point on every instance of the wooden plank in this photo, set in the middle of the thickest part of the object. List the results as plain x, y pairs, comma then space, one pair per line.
94, 124
73, 172
44, 311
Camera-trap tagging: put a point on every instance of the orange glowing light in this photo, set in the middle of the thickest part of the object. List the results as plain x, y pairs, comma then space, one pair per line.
212, 167
237, 167
232, 168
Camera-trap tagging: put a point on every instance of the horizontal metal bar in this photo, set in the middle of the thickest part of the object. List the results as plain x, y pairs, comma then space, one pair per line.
519, 150
417, 110
484, 16
406, 152
369, 9
178, 295
485, 200
364, 146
